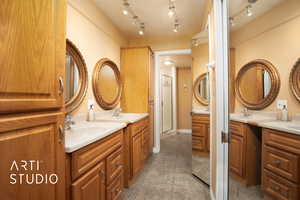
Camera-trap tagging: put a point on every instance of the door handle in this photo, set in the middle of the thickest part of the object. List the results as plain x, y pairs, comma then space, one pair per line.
61, 86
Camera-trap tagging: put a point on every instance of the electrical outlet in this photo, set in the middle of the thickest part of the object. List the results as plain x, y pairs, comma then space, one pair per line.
281, 103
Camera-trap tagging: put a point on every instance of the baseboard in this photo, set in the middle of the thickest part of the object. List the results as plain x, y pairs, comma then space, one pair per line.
185, 131
156, 150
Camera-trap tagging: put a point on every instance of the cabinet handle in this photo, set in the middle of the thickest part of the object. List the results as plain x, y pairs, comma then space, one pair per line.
61, 134
61, 86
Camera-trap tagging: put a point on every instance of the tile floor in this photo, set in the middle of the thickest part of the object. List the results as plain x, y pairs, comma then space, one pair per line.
167, 175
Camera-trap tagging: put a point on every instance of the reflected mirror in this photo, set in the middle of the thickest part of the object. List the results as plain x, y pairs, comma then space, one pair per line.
295, 80
75, 78
257, 84
201, 89
107, 85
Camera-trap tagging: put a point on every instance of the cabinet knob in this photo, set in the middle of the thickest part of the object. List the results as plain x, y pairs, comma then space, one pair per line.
61, 86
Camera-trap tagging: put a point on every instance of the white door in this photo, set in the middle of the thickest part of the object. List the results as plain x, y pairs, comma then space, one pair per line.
166, 103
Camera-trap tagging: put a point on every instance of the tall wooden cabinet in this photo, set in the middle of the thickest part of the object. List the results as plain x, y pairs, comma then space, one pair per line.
137, 71
32, 56
201, 134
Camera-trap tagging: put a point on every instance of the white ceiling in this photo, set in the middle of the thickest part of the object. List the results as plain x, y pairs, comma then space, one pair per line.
258, 9
179, 60
155, 15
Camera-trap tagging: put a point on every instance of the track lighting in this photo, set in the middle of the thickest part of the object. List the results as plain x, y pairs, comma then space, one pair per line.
176, 26
248, 10
171, 12
126, 6
231, 21
142, 29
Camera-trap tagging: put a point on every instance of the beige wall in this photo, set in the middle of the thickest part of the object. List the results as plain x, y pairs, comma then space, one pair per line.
200, 56
95, 37
274, 37
161, 44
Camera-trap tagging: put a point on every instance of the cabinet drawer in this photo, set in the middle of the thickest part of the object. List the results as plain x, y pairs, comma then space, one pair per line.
114, 190
114, 165
236, 128
199, 130
89, 156
139, 126
284, 141
279, 188
198, 143
196, 118
281, 163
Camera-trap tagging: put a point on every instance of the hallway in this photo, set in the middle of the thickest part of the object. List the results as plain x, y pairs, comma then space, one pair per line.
167, 175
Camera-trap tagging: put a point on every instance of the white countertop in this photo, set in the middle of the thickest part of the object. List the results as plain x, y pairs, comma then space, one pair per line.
254, 118
199, 110
84, 133
292, 127
127, 118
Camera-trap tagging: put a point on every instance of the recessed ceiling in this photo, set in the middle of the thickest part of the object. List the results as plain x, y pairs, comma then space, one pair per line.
178, 60
258, 9
154, 13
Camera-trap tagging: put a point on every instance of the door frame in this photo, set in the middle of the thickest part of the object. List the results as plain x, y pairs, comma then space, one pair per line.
158, 108
172, 104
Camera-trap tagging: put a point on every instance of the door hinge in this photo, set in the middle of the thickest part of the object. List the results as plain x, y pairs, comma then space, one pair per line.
225, 137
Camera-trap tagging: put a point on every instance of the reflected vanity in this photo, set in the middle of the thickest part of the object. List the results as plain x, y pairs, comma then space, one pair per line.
201, 131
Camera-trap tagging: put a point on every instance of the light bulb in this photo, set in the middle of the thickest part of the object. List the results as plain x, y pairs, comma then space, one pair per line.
175, 30
231, 21
249, 12
141, 32
125, 11
171, 13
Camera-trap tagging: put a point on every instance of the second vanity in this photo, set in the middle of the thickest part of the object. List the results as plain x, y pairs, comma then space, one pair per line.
104, 155
261, 146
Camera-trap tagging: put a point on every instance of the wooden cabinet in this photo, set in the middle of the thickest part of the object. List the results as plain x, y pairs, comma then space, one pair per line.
32, 57
32, 67
280, 158
245, 153
137, 151
96, 172
200, 134
91, 186
137, 71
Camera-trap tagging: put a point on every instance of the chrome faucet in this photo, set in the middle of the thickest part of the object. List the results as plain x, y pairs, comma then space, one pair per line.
68, 122
245, 112
117, 112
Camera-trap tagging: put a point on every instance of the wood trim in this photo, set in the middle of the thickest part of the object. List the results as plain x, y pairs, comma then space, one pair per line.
77, 99
198, 97
294, 80
275, 84
101, 102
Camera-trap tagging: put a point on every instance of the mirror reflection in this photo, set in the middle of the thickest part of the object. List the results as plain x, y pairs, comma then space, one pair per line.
72, 78
203, 87
108, 84
255, 84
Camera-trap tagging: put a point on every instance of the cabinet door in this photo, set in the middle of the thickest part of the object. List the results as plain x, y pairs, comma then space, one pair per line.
208, 138
32, 54
137, 154
30, 144
151, 125
236, 155
91, 185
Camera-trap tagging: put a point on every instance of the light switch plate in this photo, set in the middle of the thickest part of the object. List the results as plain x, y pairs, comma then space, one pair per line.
281, 103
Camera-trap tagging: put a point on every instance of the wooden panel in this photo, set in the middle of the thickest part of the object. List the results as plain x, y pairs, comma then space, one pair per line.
114, 165
282, 163
151, 126
279, 188
135, 75
237, 156
184, 98
136, 154
87, 157
232, 81
32, 57
199, 130
91, 186
114, 190
139, 126
280, 140
199, 143
237, 128
47, 156
200, 118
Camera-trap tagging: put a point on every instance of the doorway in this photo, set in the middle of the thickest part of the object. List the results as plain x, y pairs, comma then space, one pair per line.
167, 104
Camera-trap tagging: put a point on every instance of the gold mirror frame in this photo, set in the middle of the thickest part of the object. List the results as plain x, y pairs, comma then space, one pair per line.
77, 99
199, 98
102, 103
293, 82
275, 84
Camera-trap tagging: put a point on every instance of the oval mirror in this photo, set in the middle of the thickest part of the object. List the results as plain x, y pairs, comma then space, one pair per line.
257, 84
107, 86
201, 89
75, 78
294, 80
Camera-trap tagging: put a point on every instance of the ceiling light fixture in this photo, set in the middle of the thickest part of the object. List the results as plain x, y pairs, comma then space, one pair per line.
171, 12
248, 10
176, 26
168, 62
231, 21
127, 10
